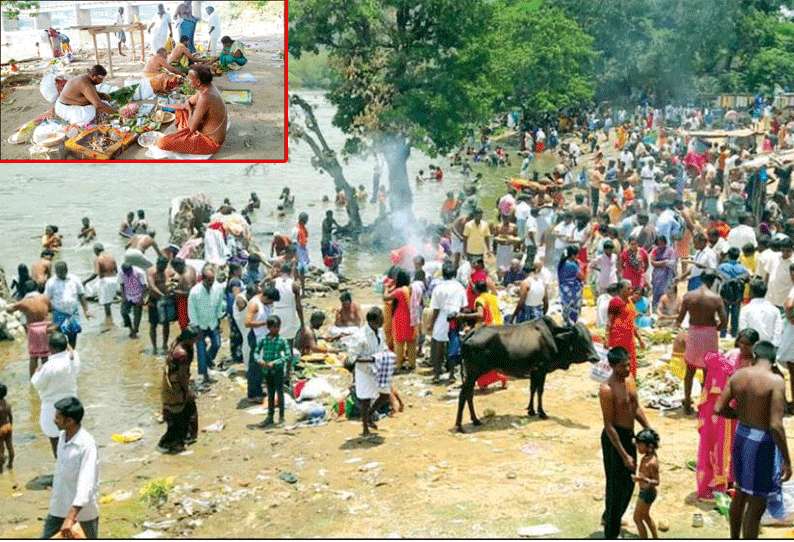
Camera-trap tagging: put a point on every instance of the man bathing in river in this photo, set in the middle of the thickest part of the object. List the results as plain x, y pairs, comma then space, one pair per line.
41, 269
79, 99
36, 308
201, 122
160, 80
107, 272
138, 244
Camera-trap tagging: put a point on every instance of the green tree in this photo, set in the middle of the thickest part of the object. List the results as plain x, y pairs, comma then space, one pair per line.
12, 8
540, 58
413, 74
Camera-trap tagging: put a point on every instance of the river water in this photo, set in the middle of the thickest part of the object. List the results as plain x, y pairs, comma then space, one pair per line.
120, 380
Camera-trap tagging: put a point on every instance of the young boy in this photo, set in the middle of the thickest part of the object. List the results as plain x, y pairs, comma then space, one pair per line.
648, 478
272, 352
6, 431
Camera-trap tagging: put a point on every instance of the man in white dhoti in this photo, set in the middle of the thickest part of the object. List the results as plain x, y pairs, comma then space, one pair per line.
214, 23
162, 29
79, 99
55, 379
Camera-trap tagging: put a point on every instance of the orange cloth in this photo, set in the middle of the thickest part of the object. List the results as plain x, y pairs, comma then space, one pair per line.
303, 235
162, 82
186, 140
5, 430
622, 331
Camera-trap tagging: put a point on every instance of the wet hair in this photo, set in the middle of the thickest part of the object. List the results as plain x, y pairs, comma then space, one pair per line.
617, 355
273, 320
747, 333
733, 253
203, 73
3, 391
402, 278
648, 436
765, 350
71, 407
317, 316
58, 341
97, 70
346, 296
373, 314
272, 294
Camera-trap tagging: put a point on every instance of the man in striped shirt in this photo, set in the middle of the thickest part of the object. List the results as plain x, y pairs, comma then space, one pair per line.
133, 290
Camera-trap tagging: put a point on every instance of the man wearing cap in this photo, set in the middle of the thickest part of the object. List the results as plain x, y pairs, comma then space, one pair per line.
75, 486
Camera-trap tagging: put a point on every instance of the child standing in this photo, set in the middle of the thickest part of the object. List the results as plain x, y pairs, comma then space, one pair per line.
272, 352
648, 478
6, 432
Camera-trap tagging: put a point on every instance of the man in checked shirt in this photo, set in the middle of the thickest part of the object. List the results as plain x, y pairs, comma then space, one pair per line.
271, 353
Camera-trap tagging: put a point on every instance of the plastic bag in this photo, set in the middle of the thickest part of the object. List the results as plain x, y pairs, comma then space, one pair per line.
46, 128
601, 371
48, 88
316, 388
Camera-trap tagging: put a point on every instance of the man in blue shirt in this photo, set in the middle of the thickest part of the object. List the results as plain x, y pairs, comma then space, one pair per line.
733, 275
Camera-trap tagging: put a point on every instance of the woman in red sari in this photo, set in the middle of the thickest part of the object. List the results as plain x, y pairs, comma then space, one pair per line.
403, 332
620, 329
478, 274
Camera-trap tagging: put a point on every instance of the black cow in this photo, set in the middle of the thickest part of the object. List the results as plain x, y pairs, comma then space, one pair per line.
530, 349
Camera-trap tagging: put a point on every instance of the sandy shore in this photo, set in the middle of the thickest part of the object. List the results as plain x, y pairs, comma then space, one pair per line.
257, 130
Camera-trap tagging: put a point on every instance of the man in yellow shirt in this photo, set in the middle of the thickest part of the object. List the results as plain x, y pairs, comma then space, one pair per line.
476, 236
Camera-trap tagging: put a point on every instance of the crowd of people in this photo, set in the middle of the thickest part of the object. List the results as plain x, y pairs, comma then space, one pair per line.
633, 227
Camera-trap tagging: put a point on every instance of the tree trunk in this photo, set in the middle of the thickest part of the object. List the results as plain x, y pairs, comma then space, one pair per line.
325, 159
396, 151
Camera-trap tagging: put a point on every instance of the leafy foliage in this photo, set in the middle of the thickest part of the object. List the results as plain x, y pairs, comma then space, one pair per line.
12, 8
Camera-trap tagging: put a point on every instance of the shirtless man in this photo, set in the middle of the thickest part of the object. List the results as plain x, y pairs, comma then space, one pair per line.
350, 312
201, 121
704, 308
457, 236
161, 280
187, 279
104, 268
127, 228
619, 407
36, 308
137, 246
87, 232
79, 100
41, 270
760, 438
181, 50
307, 341
158, 63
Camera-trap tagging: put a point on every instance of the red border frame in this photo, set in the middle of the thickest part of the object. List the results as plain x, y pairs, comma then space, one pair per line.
286, 128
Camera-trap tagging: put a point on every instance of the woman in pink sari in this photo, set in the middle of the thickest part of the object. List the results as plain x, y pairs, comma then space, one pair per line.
714, 471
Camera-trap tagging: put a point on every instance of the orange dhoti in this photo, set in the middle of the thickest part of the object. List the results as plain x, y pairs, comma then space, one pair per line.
186, 140
162, 82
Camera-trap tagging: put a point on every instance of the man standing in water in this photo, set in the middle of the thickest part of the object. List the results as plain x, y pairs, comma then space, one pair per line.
187, 279
162, 308
703, 306
619, 407
760, 439
41, 270
36, 308
206, 306
105, 268
65, 291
